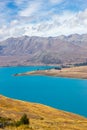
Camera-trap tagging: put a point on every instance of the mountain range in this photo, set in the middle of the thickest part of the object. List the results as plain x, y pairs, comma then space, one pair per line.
35, 50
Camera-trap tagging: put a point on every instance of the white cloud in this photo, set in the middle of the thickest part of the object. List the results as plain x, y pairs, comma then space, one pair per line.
66, 23
56, 1
31, 9
19, 2
36, 19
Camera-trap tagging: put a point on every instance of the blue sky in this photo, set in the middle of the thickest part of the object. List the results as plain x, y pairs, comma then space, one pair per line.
42, 17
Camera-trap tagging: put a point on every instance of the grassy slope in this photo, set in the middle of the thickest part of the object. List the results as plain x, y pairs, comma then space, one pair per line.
41, 117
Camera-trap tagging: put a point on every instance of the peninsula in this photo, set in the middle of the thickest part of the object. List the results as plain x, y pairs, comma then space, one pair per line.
73, 72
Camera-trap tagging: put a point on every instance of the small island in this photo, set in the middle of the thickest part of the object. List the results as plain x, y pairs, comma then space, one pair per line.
72, 72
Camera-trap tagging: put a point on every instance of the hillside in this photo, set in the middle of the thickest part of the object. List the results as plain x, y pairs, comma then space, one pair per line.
27, 50
41, 117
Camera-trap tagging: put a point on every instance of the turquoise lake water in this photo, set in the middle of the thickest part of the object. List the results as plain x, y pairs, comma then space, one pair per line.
62, 93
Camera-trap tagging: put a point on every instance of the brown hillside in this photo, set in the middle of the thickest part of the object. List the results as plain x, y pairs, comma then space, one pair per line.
27, 50
41, 117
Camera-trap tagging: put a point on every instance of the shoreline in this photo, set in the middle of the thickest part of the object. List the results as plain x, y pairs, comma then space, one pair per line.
73, 72
38, 103
29, 66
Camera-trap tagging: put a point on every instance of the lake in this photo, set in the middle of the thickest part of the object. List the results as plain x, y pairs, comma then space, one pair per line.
62, 93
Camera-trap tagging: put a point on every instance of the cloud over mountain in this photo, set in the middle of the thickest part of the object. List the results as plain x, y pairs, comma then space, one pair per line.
42, 18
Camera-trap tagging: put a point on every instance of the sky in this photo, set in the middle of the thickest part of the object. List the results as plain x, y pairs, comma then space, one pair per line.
42, 17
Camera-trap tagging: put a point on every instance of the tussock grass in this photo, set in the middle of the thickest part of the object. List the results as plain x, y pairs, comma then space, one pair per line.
41, 117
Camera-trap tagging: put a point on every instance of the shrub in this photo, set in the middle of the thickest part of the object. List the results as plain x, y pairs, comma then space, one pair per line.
23, 121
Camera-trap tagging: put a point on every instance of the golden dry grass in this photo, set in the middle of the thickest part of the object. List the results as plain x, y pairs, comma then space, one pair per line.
41, 117
73, 72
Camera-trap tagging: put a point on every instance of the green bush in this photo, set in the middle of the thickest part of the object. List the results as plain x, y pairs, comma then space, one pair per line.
23, 121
